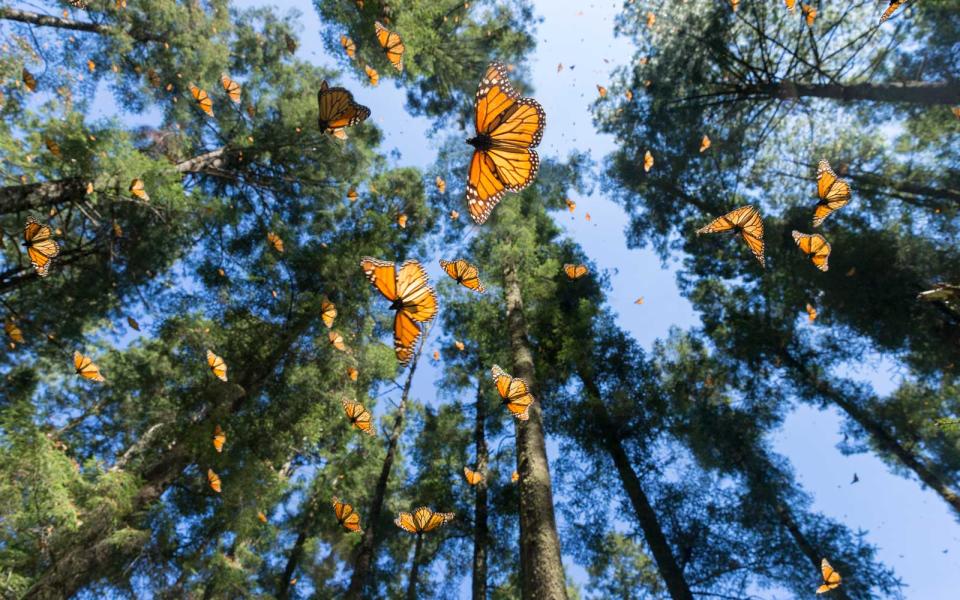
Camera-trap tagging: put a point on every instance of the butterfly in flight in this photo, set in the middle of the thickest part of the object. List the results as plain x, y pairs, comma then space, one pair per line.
85, 368
831, 579
359, 416
276, 241
575, 271
791, 4
346, 516
40, 245
410, 295
337, 109
231, 87
219, 438
348, 46
704, 143
463, 273
515, 393
13, 331
336, 340
507, 127
133, 324
203, 99
29, 81
422, 520
473, 477
372, 75
261, 517
811, 313
391, 43
647, 161
745, 221
892, 8
810, 13
217, 366
139, 190
214, 481
328, 311
441, 185
816, 246
515, 477
834, 193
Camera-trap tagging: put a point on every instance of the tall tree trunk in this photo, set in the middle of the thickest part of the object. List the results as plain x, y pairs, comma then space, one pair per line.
885, 441
912, 92
368, 543
41, 20
480, 529
541, 567
882, 183
415, 570
805, 546
667, 565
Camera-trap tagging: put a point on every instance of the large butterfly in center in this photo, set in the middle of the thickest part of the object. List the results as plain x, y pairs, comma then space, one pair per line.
338, 110
408, 289
508, 126
745, 221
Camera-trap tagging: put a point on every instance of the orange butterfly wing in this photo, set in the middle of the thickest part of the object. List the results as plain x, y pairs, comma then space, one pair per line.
336, 109
359, 416
214, 480
203, 100
515, 393
85, 367
328, 311
346, 516
747, 222
392, 44
231, 87
815, 245
464, 273
41, 247
219, 438
833, 192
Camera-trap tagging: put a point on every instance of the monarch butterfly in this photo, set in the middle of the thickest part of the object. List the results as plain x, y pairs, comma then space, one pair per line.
463, 273
214, 480
261, 517
348, 46
231, 87
515, 393
153, 78
638, 300
810, 13
575, 271
336, 340
133, 324
745, 221
647, 161
372, 75
651, 20
275, 241
346, 516
602, 91
391, 43
507, 127
359, 416
571, 205
441, 185
956, 111
138, 190
219, 438
40, 245
515, 477
459, 345
834, 193
402, 221
13, 332
91, 66
454, 215
337, 109
352, 195
587, 216
408, 289
831, 579
628, 94
328, 311
53, 147
436, 355
473, 477
815, 245
29, 81
892, 8
422, 520
217, 366
85, 368
704, 143
352, 373
791, 4
735, 4
203, 100
811, 313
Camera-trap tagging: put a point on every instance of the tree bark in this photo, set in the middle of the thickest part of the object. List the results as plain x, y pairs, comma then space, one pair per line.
368, 543
540, 563
882, 183
667, 565
786, 519
480, 527
912, 92
923, 469
41, 20
415, 570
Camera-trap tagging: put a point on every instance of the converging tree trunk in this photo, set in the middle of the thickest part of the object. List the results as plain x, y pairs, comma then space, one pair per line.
542, 570
415, 569
480, 531
910, 92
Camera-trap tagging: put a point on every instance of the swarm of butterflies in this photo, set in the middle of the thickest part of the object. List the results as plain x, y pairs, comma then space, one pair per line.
507, 129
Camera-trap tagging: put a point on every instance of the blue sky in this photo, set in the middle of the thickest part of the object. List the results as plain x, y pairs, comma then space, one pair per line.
911, 527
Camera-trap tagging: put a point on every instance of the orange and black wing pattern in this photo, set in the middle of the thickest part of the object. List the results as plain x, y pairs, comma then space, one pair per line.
346, 516
217, 366
507, 128
833, 193
831, 579
422, 520
515, 393
85, 367
575, 271
472, 477
337, 109
231, 87
40, 245
219, 438
410, 295
392, 44
214, 480
328, 311
359, 416
816, 246
747, 222
203, 100
891, 8
464, 273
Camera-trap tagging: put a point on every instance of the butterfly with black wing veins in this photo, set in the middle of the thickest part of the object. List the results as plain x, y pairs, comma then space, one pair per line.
337, 109
40, 245
745, 221
410, 295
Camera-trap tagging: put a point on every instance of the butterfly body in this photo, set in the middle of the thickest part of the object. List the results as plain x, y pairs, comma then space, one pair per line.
40, 246
744, 221
410, 295
337, 109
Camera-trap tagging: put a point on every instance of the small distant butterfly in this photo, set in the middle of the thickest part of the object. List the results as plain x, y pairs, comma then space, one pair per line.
586, 216
436, 355
651, 19
791, 4
816, 246
203, 100
441, 185
53, 147
328, 311
575, 271
515, 477
275, 241
833, 192
372, 75
138, 190
638, 300
29, 81
336, 340
811, 313
214, 481
346, 516
704, 143
459, 345
85, 368
892, 8
601, 90
402, 221
473, 477
352, 195
91, 66
734, 4
454, 215
336, 109
352, 373
831, 579
217, 366
13, 332
231, 87
422, 520
810, 13
464, 273
628, 94
514, 391
647, 161
745, 221
261, 517
359, 416
348, 46
219, 438
571, 205
392, 44
40, 245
